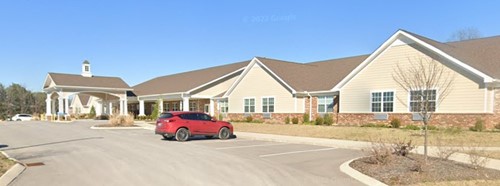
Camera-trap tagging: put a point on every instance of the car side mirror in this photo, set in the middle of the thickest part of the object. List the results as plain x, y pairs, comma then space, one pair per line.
213, 119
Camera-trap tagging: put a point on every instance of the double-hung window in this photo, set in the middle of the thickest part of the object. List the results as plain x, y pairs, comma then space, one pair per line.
423, 99
249, 105
223, 106
193, 106
267, 104
382, 101
325, 104
165, 107
174, 107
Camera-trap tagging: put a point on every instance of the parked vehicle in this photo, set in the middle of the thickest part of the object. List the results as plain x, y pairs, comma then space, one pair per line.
21, 117
183, 125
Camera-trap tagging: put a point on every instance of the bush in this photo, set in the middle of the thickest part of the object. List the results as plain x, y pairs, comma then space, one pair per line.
380, 153
295, 120
249, 119
305, 118
121, 120
395, 123
478, 126
432, 127
319, 121
497, 126
287, 120
221, 117
156, 110
412, 127
402, 148
368, 125
328, 119
453, 130
92, 113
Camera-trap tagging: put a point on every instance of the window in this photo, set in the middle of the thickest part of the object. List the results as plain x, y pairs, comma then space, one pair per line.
418, 98
382, 101
223, 106
193, 106
249, 105
267, 104
325, 104
165, 107
86, 68
174, 107
204, 117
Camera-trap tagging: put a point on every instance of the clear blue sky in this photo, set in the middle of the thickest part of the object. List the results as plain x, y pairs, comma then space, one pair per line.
140, 40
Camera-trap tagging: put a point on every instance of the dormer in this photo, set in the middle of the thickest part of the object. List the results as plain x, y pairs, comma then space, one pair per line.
86, 69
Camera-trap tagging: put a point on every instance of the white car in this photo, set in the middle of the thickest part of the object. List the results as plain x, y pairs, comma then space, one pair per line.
21, 117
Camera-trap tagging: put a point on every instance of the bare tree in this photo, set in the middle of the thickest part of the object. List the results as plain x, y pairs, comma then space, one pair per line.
424, 79
465, 34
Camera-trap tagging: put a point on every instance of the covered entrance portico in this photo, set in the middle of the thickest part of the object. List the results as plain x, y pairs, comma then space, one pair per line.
175, 102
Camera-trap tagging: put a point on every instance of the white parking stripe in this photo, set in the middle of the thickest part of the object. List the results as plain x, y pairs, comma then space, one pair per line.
295, 152
250, 146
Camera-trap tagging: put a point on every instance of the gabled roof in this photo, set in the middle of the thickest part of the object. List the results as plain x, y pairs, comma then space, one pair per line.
184, 82
482, 54
72, 80
314, 76
84, 99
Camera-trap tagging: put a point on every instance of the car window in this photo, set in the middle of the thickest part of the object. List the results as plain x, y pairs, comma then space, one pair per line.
166, 115
188, 116
204, 117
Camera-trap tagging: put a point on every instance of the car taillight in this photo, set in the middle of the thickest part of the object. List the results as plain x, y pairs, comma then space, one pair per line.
169, 120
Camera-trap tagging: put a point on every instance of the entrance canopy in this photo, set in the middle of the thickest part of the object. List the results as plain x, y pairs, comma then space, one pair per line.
61, 86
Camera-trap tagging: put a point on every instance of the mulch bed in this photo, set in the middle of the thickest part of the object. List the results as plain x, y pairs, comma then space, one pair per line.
401, 170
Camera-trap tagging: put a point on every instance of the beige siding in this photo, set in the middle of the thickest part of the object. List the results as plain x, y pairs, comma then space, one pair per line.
217, 89
466, 95
257, 84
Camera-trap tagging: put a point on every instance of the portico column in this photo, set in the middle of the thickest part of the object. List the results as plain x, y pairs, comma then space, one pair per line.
141, 108
121, 106
53, 107
110, 108
66, 106
60, 105
185, 104
48, 104
125, 106
161, 105
211, 109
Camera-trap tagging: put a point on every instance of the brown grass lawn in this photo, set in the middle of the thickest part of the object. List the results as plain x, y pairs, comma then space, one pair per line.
5, 164
448, 137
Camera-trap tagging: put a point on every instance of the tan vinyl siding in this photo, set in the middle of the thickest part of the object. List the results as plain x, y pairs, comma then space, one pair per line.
257, 84
465, 97
217, 89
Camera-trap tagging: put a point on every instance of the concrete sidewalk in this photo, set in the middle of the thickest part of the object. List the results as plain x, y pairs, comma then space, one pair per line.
360, 145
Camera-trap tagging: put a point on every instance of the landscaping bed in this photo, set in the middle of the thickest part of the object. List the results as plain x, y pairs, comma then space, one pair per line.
5, 164
410, 169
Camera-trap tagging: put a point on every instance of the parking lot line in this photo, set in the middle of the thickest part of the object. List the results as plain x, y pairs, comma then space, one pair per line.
250, 146
295, 152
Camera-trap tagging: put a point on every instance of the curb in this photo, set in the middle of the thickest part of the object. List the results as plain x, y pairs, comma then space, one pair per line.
13, 172
363, 178
115, 128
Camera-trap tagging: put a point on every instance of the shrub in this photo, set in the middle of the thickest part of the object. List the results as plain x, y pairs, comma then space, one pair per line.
305, 118
295, 120
328, 119
497, 126
453, 130
319, 121
402, 148
442, 151
156, 110
221, 117
412, 127
395, 123
380, 153
92, 113
287, 120
368, 125
478, 126
121, 120
249, 119
432, 127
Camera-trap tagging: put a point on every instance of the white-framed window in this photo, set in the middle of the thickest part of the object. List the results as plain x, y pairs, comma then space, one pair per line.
165, 107
267, 104
175, 107
193, 106
417, 98
223, 106
382, 101
325, 104
249, 105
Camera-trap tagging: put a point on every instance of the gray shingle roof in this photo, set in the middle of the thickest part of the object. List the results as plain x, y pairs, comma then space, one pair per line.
94, 81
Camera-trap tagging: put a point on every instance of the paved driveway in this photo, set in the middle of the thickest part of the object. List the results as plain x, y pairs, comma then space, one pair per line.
73, 154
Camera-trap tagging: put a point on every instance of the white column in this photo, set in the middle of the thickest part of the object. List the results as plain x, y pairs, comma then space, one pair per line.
185, 104
121, 106
110, 108
61, 106
125, 106
212, 108
53, 107
161, 105
141, 108
66, 106
48, 104
98, 108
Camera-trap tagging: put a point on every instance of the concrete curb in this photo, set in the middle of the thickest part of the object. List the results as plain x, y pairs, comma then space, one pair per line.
13, 172
363, 178
115, 128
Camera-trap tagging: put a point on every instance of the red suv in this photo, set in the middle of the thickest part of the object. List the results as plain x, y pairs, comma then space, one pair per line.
182, 125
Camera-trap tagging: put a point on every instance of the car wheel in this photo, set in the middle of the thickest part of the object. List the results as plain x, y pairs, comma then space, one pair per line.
182, 134
167, 137
209, 137
224, 133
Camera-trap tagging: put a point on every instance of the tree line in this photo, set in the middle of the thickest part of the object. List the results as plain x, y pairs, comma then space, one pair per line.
16, 99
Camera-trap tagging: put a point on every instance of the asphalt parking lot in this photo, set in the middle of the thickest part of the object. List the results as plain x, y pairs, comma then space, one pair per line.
73, 154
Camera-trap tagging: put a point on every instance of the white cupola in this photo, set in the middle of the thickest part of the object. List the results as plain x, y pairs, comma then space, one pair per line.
86, 69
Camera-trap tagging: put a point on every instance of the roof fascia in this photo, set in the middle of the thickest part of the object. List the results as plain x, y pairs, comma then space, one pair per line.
277, 77
89, 88
243, 74
215, 80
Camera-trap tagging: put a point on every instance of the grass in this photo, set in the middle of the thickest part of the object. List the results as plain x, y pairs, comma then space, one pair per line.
5, 164
453, 138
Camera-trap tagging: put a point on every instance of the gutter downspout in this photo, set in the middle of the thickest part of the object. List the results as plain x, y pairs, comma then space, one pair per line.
310, 106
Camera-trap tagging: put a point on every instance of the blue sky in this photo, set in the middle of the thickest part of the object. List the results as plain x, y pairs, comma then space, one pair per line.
140, 40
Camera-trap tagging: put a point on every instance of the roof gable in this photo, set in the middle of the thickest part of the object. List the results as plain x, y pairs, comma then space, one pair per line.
72, 80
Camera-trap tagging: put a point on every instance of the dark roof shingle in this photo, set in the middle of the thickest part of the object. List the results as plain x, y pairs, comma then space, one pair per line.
94, 81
